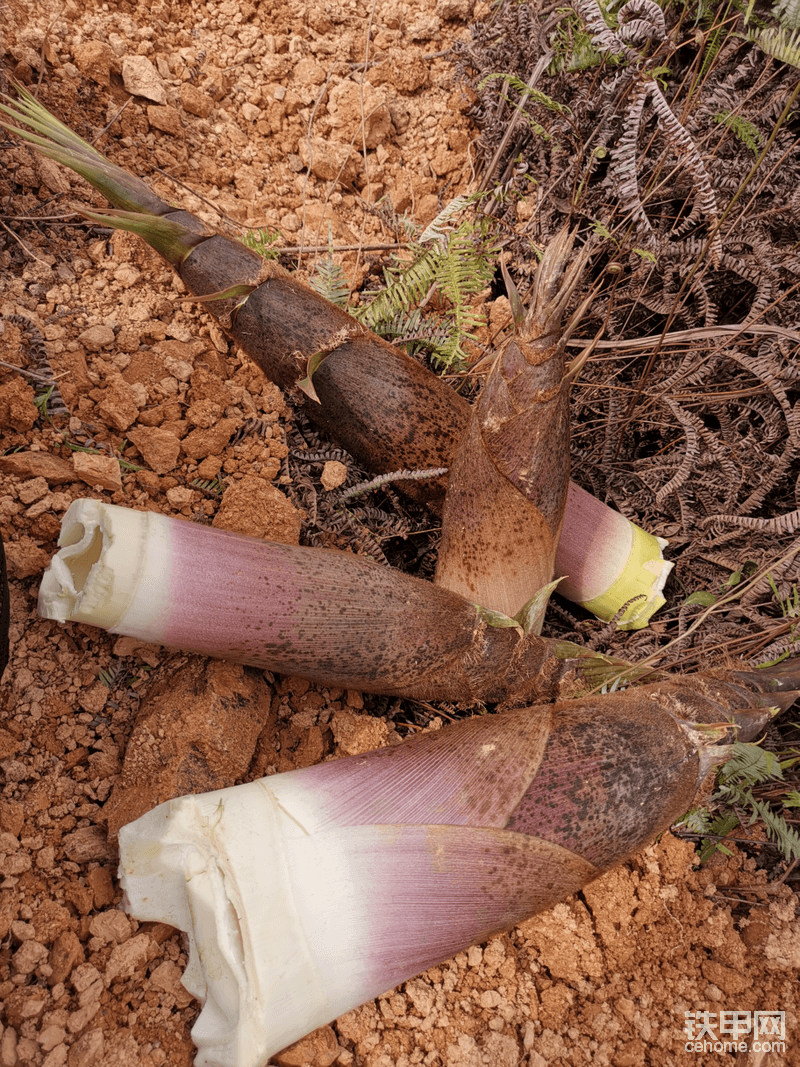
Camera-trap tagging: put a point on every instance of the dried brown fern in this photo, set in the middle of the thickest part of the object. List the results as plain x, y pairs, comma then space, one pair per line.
689, 420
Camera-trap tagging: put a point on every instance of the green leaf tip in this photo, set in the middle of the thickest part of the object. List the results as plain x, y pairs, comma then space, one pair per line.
58, 142
314, 363
497, 618
531, 615
231, 293
170, 239
52, 131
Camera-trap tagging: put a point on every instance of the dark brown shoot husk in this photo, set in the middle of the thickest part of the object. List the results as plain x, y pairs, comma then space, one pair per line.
388, 411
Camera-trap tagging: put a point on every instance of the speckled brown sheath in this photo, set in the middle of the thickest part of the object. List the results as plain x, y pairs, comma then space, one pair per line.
509, 477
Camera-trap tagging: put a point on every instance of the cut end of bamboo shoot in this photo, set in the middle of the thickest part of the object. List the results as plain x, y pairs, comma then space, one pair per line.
609, 561
210, 865
95, 577
307, 893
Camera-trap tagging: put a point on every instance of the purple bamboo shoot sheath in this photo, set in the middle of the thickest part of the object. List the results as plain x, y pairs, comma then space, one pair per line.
305, 894
387, 410
608, 561
325, 615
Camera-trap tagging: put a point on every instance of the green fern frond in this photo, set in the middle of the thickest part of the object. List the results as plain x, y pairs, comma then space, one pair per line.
602, 230
785, 836
750, 765
462, 274
713, 44
331, 282
534, 95
528, 96
780, 43
210, 485
407, 226
429, 332
741, 128
720, 827
572, 46
262, 242
696, 821
573, 54
405, 326
441, 226
329, 279
457, 276
787, 12
406, 284
455, 261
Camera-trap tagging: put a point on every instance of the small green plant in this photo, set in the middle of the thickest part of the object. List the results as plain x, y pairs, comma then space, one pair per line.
125, 464
330, 280
572, 45
118, 675
112, 676
527, 95
454, 260
601, 230
263, 242
741, 128
790, 609
706, 598
782, 42
73, 446
213, 485
734, 803
715, 39
660, 74
42, 399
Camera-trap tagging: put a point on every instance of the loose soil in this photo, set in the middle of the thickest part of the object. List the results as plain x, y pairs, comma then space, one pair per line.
95, 730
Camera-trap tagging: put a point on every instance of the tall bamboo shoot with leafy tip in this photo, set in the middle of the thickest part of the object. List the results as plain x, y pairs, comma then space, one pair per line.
508, 479
306, 893
322, 614
387, 410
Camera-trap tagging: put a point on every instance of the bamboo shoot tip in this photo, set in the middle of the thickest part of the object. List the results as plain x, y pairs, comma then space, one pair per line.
639, 586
